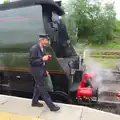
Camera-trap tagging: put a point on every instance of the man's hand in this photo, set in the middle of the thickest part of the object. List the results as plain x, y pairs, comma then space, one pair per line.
47, 72
45, 58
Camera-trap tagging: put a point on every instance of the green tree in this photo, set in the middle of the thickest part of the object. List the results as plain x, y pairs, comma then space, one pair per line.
91, 20
6, 1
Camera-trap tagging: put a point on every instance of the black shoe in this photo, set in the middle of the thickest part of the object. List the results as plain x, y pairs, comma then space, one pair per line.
37, 104
55, 108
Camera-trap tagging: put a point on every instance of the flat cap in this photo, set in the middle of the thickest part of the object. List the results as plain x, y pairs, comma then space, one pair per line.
43, 36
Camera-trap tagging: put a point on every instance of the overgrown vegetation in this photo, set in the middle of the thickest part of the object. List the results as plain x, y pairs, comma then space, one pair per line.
92, 23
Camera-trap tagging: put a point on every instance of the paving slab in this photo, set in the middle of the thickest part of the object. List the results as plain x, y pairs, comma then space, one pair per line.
4, 116
20, 106
67, 112
4, 99
9, 116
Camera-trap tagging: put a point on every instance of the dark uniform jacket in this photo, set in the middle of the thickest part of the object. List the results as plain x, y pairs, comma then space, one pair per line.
35, 60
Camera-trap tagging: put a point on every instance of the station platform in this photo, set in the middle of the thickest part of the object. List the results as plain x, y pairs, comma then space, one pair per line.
15, 108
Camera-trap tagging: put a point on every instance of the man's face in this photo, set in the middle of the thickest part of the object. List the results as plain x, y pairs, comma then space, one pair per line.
45, 42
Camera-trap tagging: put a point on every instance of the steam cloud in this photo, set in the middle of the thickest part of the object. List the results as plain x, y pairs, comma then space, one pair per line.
101, 75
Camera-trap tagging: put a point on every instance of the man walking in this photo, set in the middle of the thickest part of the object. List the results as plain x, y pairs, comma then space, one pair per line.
37, 60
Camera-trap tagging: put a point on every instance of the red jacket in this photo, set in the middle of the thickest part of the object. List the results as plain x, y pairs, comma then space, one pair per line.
82, 89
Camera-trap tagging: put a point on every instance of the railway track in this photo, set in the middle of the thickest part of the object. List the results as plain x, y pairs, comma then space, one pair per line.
107, 100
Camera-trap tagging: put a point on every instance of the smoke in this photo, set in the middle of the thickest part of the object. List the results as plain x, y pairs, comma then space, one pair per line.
101, 75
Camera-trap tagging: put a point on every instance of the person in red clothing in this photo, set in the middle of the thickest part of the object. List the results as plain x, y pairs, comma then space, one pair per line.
85, 87
85, 82
118, 95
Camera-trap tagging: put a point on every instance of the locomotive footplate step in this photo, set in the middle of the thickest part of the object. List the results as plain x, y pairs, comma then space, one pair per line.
15, 108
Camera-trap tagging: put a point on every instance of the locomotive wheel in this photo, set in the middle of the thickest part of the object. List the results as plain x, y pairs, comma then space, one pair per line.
60, 97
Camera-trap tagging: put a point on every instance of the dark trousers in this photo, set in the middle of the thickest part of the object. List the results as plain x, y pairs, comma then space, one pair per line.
40, 90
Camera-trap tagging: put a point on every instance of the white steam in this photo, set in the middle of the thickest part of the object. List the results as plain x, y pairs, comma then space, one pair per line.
101, 75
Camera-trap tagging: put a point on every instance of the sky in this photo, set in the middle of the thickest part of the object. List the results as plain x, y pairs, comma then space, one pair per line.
117, 5
117, 8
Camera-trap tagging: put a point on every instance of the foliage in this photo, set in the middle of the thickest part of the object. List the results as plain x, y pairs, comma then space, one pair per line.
6, 1
117, 27
91, 20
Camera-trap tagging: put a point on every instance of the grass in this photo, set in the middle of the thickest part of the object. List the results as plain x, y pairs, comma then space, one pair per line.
107, 63
115, 44
104, 63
